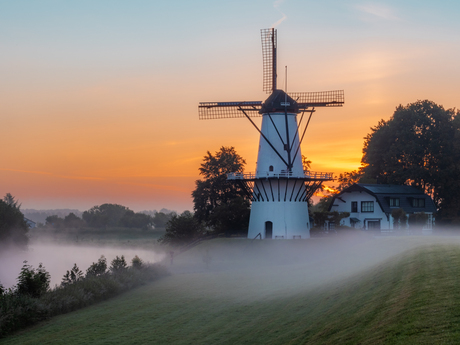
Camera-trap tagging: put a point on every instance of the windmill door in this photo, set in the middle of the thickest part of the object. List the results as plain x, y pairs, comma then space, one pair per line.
268, 229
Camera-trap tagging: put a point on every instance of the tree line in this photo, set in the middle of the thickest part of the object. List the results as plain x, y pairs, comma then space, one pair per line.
110, 215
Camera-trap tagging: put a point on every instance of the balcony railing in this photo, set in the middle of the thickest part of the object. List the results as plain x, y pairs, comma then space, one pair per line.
314, 175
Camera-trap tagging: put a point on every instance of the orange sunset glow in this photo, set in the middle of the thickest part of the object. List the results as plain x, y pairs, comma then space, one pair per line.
99, 99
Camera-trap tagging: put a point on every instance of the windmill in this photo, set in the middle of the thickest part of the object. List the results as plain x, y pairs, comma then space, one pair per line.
280, 187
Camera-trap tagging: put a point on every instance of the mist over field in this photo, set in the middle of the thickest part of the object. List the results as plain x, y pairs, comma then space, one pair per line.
58, 258
245, 269
238, 268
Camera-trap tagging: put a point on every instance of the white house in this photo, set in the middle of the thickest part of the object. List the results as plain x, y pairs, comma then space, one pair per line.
371, 205
30, 223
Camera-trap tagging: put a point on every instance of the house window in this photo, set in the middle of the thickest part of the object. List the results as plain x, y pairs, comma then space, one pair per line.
270, 168
354, 206
418, 202
367, 206
394, 202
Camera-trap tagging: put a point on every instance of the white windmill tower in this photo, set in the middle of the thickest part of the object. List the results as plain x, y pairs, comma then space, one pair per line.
280, 188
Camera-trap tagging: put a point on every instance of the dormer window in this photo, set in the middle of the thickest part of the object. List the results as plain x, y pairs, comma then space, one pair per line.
270, 168
418, 202
394, 202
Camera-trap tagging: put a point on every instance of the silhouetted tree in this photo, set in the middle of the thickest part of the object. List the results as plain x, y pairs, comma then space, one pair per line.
13, 227
231, 217
33, 282
160, 219
9, 199
104, 215
182, 229
55, 221
418, 146
214, 194
73, 221
136, 220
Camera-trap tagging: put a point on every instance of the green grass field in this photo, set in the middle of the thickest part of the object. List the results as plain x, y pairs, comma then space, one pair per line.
343, 290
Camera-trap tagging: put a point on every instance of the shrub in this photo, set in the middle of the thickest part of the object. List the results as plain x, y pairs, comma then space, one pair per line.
97, 268
72, 276
19, 310
33, 282
136, 262
118, 264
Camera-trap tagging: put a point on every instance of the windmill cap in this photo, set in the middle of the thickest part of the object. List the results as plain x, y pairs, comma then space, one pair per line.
279, 101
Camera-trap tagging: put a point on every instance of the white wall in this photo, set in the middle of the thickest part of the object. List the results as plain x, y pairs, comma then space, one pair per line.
340, 206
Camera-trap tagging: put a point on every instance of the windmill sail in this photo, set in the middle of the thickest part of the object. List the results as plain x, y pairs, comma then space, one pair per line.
269, 58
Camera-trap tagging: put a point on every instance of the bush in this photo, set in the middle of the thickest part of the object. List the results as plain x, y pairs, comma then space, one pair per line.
33, 282
72, 276
182, 229
136, 262
118, 264
97, 268
19, 310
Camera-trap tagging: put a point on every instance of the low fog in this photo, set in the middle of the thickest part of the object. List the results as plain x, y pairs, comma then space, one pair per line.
58, 258
243, 270
240, 269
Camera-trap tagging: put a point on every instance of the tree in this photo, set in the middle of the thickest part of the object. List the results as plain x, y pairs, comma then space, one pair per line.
104, 215
97, 268
136, 220
182, 229
9, 199
418, 146
55, 221
33, 282
118, 264
306, 163
160, 219
72, 276
336, 217
73, 221
399, 217
347, 179
214, 193
232, 217
13, 227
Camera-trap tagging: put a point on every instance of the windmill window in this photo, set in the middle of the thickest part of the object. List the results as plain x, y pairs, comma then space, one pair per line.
367, 206
394, 202
270, 168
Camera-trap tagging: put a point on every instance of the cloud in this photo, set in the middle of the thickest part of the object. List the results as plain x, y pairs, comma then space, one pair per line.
378, 10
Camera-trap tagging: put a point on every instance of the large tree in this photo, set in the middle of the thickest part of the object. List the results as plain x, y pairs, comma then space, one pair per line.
216, 200
419, 146
104, 215
13, 227
182, 229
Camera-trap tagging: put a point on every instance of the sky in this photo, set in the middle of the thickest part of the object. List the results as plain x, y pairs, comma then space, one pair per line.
98, 99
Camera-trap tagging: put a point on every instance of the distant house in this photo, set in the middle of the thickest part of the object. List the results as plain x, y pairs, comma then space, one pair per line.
371, 205
31, 224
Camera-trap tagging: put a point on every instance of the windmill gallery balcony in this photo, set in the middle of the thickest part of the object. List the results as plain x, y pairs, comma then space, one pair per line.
307, 176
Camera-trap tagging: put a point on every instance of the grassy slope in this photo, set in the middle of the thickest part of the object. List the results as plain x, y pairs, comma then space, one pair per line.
410, 298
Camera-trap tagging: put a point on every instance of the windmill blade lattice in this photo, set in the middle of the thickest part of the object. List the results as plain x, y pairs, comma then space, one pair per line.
269, 42
334, 98
226, 110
